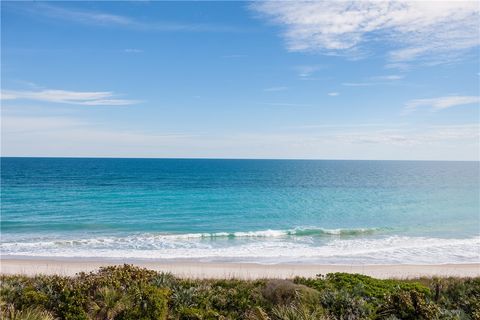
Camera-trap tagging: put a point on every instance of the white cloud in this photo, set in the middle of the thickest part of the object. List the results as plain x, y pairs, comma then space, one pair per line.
390, 77
333, 94
440, 103
93, 98
410, 29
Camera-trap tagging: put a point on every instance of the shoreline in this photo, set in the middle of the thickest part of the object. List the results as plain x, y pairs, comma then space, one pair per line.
218, 270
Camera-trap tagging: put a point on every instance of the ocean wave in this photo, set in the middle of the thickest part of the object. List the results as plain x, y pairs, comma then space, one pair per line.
271, 233
264, 249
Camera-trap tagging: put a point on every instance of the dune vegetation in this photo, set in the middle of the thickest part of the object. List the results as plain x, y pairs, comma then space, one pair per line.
128, 292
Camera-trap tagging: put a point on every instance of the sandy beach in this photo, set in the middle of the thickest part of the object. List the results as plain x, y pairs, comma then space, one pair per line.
236, 270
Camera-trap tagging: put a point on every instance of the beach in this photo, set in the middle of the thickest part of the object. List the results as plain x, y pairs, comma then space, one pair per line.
191, 269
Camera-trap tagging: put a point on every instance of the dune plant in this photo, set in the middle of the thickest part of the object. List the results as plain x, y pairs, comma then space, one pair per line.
108, 303
127, 292
8, 312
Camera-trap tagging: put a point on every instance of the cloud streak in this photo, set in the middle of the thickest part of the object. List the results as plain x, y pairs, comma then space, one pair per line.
411, 30
306, 71
103, 19
88, 98
441, 103
376, 80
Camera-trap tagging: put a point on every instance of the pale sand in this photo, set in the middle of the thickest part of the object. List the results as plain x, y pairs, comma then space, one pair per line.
236, 270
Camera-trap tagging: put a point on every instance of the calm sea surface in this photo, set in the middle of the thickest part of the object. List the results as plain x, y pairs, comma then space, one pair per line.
267, 211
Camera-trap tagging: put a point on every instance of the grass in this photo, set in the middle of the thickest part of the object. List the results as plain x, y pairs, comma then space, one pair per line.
128, 292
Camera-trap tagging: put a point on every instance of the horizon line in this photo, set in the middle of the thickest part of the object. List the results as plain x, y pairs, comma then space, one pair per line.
220, 158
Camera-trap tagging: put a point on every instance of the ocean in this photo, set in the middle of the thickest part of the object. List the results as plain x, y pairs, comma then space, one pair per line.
263, 211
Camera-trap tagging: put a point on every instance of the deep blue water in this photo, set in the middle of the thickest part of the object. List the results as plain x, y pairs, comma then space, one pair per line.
242, 210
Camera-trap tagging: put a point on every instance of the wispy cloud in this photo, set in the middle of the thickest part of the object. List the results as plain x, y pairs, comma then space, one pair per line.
306, 71
414, 29
77, 15
89, 98
441, 103
274, 89
132, 50
390, 77
333, 94
375, 80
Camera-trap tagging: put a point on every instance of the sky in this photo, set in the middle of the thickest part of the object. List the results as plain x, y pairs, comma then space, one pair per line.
265, 79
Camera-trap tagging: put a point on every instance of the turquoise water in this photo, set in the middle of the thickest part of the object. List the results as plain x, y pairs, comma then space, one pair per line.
267, 211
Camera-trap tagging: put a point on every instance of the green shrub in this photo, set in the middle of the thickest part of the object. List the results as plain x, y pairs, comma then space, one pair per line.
256, 313
108, 303
362, 285
297, 312
341, 304
408, 305
148, 303
197, 314
458, 294
281, 292
127, 292
164, 280
8, 312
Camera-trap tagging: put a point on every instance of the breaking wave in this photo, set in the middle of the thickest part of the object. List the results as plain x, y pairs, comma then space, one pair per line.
306, 245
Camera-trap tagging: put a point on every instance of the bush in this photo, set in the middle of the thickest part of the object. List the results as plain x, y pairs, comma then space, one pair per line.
8, 312
297, 312
148, 302
361, 285
343, 305
457, 295
127, 292
281, 292
108, 303
197, 314
408, 305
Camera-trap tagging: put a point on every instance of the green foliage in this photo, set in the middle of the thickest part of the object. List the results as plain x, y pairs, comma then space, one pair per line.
341, 304
127, 292
408, 305
108, 303
459, 295
362, 285
297, 312
197, 314
8, 312
149, 303
256, 313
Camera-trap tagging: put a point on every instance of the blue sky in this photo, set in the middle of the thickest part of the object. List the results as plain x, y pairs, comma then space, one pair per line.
321, 80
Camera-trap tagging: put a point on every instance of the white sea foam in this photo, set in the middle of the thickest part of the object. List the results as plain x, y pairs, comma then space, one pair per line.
269, 246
